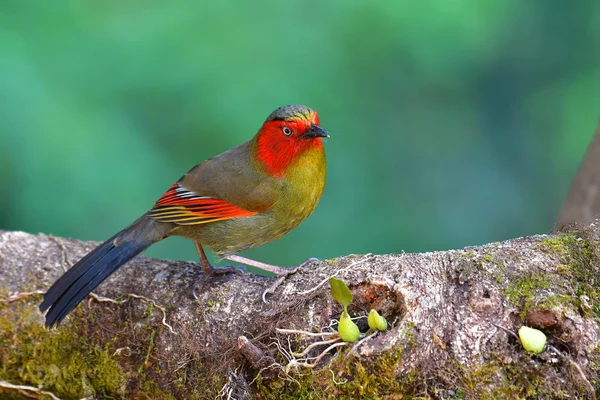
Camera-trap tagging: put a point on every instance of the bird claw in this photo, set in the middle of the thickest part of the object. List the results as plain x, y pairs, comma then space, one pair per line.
233, 269
271, 289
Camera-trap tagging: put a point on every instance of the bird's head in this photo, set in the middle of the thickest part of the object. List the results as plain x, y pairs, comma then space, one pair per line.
287, 133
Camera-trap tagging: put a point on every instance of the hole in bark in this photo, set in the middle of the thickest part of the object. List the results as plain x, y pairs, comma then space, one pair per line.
371, 295
486, 294
561, 332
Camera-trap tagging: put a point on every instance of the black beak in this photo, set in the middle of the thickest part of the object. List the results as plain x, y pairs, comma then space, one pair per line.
315, 131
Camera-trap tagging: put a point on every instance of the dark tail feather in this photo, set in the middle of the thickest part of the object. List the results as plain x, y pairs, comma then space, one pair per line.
94, 268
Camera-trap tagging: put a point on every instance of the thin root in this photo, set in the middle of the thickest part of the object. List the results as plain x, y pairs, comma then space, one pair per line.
336, 382
320, 356
302, 360
102, 299
20, 296
317, 334
315, 344
121, 350
23, 389
65, 257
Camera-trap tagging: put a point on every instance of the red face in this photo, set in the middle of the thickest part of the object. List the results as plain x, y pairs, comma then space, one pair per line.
281, 141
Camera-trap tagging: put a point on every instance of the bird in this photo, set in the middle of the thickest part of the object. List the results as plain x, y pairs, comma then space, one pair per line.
245, 197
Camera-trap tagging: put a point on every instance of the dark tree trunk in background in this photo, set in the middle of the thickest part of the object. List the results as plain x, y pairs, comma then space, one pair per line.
583, 201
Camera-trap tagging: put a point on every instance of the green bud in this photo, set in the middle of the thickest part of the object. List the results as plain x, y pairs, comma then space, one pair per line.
376, 321
347, 329
532, 340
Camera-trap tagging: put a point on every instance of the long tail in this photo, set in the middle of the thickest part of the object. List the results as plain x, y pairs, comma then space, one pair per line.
99, 264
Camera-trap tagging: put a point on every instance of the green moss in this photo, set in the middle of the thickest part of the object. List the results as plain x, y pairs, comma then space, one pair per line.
471, 265
344, 379
150, 386
522, 293
380, 378
563, 270
148, 352
488, 257
63, 362
575, 277
409, 334
466, 255
558, 244
579, 267
213, 305
78, 359
518, 379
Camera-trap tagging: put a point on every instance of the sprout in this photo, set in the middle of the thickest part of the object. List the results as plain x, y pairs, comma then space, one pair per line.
347, 329
376, 321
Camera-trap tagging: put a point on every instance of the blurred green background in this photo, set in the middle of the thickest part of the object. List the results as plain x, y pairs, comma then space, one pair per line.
452, 123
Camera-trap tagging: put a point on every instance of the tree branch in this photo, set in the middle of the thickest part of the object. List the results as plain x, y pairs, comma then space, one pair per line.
441, 307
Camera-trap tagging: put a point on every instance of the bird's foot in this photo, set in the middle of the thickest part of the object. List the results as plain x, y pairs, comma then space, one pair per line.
281, 273
284, 274
211, 270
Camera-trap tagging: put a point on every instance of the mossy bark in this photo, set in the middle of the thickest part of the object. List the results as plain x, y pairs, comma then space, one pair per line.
441, 341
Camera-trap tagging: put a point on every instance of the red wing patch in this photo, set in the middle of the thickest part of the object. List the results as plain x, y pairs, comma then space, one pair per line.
180, 206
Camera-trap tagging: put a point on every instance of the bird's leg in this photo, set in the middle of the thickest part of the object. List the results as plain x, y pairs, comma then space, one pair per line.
209, 269
281, 273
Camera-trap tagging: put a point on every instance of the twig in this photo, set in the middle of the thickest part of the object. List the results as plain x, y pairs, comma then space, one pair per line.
578, 368
507, 331
28, 389
20, 296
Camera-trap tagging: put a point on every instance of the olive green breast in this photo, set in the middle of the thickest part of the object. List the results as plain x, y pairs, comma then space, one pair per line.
297, 193
304, 184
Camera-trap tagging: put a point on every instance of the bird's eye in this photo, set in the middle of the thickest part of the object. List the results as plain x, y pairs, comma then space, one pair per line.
286, 131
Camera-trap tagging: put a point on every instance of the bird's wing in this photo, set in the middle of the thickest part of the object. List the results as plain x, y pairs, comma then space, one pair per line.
223, 187
184, 207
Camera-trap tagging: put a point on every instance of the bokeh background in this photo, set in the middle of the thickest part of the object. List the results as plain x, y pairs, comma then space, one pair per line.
452, 123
